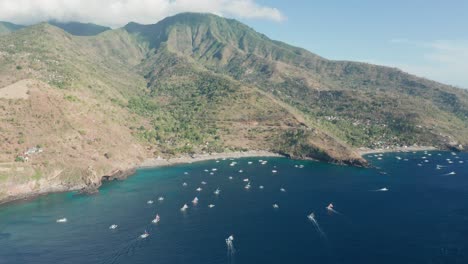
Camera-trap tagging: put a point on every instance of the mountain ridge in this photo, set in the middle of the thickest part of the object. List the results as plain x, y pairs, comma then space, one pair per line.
72, 27
7, 27
327, 70
80, 29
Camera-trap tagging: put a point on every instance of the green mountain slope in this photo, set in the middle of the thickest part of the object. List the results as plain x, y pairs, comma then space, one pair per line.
197, 83
362, 104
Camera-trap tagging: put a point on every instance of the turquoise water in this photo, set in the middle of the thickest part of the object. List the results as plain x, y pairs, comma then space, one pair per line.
422, 218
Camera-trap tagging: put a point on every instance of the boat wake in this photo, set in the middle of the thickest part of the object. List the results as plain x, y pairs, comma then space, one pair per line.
312, 219
127, 250
331, 209
230, 245
384, 189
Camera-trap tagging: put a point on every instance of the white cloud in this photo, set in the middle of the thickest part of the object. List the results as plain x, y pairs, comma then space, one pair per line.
445, 61
116, 13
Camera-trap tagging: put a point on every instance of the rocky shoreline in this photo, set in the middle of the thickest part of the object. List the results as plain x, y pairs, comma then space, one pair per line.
92, 186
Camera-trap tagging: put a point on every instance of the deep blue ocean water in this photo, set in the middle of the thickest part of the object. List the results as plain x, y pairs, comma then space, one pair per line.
422, 218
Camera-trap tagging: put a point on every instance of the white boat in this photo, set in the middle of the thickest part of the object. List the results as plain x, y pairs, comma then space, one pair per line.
211, 205
156, 219
184, 184
384, 189
113, 227
206, 170
144, 235
217, 161
195, 201
199, 189
150, 202
230, 245
214, 169
282, 190
311, 216
211, 173
203, 182
61, 220
330, 207
217, 191
229, 240
301, 166
274, 171
230, 177
261, 186
249, 162
276, 206
241, 171
451, 173
247, 186
185, 173
185, 207
246, 179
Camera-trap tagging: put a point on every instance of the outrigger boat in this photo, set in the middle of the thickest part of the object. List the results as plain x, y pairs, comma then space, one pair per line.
144, 235
156, 219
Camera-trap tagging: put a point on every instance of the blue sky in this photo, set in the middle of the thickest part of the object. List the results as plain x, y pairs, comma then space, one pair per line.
428, 38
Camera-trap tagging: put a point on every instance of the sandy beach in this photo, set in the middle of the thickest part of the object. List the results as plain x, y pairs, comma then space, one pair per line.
365, 151
158, 162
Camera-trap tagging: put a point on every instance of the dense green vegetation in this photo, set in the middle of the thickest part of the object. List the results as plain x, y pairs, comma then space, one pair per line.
362, 104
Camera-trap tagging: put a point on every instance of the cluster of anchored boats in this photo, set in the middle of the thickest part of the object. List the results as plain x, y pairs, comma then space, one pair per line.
425, 159
330, 208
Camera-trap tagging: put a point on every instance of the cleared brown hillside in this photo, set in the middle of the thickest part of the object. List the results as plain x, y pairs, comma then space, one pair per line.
82, 140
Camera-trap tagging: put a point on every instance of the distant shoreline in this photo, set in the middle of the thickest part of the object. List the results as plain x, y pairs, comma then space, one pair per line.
161, 162
365, 151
